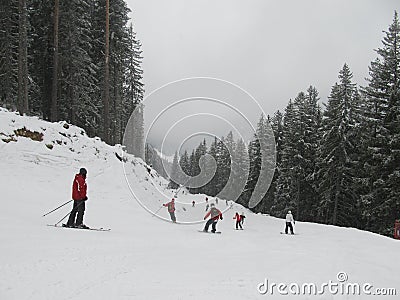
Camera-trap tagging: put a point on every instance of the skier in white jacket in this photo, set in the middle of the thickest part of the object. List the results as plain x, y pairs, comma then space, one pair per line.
289, 220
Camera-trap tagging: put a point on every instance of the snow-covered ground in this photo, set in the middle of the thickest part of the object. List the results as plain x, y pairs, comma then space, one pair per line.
145, 257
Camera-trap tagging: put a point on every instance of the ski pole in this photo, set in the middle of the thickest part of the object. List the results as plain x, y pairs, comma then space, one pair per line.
155, 213
69, 213
63, 218
57, 208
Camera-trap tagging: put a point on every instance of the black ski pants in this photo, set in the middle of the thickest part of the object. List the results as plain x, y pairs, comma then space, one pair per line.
289, 225
172, 214
77, 209
239, 224
213, 223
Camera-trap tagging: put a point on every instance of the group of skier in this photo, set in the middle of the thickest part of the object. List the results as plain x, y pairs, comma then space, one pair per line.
214, 213
79, 197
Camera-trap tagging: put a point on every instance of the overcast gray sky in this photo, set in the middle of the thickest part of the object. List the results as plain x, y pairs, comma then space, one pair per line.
271, 49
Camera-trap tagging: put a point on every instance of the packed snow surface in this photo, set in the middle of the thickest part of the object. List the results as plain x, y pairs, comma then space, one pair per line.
146, 256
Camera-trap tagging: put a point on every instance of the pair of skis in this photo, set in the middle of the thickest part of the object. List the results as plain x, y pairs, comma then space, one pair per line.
216, 232
80, 228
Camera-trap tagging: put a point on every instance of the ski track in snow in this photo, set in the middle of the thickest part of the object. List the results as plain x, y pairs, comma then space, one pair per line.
143, 257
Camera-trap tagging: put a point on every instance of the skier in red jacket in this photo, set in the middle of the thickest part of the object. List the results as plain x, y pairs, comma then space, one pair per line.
171, 209
238, 221
79, 196
215, 215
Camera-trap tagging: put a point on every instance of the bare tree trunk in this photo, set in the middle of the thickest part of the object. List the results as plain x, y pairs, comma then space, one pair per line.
106, 100
298, 199
335, 209
22, 60
53, 112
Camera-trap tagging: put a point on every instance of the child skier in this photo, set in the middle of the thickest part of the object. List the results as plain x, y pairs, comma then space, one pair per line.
289, 220
238, 221
171, 209
215, 214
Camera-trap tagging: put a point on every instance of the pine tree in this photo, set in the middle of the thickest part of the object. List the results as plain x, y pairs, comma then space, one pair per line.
381, 204
185, 163
23, 105
285, 190
239, 170
106, 88
295, 188
54, 85
226, 149
197, 180
9, 24
134, 73
77, 81
338, 153
211, 187
312, 136
133, 90
262, 161
40, 50
173, 182
269, 205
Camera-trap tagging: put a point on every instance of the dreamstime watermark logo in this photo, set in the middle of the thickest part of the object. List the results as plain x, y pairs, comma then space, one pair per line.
340, 286
182, 113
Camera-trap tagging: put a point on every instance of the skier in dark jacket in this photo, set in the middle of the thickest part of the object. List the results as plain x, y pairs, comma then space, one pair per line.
238, 221
242, 217
215, 214
171, 209
79, 189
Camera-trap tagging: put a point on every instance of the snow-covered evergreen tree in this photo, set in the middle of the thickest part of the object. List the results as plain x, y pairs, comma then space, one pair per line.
211, 187
201, 150
174, 173
77, 82
40, 50
381, 204
8, 48
225, 148
261, 164
185, 163
239, 169
285, 191
338, 152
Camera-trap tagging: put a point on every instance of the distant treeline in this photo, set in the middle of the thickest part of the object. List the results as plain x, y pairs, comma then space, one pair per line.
338, 165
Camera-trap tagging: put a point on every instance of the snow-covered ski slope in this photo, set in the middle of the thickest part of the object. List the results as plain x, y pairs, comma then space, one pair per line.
144, 257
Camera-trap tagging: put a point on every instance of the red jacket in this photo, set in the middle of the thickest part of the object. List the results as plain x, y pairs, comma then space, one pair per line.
79, 188
215, 214
237, 217
171, 206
